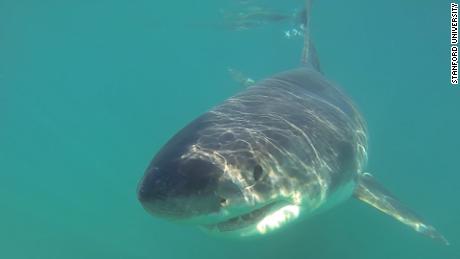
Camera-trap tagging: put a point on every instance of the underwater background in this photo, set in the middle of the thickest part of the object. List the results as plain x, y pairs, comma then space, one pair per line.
91, 90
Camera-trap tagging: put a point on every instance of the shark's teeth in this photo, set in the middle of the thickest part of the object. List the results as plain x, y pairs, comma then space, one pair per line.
244, 220
278, 218
264, 220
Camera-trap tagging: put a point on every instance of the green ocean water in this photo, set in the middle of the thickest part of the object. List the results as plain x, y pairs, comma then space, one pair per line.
91, 90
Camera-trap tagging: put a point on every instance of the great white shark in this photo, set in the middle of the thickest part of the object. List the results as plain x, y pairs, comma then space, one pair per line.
286, 147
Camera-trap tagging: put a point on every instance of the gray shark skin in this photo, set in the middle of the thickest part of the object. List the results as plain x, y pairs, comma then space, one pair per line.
288, 138
286, 147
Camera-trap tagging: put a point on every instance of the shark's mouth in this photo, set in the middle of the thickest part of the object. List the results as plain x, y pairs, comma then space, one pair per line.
244, 220
258, 221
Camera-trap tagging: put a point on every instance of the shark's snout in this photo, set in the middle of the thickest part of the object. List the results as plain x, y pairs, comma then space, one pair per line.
180, 189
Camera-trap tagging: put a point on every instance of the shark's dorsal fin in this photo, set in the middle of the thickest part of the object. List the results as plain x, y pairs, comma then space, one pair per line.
309, 56
371, 192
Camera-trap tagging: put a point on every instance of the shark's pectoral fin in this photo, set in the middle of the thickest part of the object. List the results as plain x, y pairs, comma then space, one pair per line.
241, 78
371, 192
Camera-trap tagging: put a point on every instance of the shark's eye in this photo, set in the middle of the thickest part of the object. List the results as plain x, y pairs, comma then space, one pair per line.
223, 202
257, 172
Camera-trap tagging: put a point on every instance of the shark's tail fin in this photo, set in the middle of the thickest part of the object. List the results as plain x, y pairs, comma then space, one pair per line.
309, 56
371, 192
